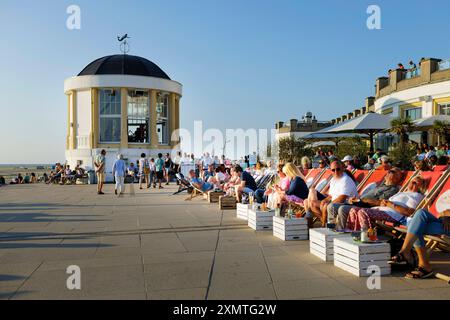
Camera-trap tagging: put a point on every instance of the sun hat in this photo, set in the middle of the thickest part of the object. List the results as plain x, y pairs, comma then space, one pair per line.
347, 158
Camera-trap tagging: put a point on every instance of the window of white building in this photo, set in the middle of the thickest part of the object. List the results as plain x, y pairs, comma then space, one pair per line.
110, 115
162, 117
444, 108
138, 108
413, 114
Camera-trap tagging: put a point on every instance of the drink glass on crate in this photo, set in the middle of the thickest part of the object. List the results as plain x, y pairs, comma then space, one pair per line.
290, 212
278, 211
330, 223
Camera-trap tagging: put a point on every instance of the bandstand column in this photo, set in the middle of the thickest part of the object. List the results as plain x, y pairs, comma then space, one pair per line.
124, 118
73, 122
153, 134
172, 119
95, 119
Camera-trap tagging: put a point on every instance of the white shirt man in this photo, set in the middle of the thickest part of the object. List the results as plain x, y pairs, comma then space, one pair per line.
343, 186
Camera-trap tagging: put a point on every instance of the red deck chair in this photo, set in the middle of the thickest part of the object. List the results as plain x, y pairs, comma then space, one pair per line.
374, 180
431, 179
435, 185
440, 168
312, 176
323, 182
408, 176
439, 204
442, 201
360, 175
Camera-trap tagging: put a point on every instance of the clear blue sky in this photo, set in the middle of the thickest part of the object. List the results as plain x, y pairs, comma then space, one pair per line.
245, 63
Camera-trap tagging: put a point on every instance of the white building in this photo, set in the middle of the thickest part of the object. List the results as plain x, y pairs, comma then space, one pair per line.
418, 94
123, 104
298, 129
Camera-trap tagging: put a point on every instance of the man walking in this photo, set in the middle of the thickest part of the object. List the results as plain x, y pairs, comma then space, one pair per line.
159, 167
99, 164
119, 171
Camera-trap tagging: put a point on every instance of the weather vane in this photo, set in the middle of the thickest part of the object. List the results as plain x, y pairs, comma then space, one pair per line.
124, 46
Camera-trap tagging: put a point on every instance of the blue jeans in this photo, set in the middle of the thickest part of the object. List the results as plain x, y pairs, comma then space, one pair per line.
259, 196
424, 223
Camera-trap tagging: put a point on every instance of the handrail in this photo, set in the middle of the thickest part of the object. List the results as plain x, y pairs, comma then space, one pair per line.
444, 65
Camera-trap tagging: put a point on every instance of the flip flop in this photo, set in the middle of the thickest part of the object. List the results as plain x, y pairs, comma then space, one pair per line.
419, 273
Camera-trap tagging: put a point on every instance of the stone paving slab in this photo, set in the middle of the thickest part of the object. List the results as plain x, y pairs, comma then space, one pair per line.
151, 245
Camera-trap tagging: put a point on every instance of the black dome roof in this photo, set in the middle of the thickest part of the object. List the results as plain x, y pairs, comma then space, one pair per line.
124, 64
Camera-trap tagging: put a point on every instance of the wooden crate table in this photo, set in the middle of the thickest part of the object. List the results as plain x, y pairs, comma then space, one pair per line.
213, 197
290, 229
242, 211
321, 242
227, 203
260, 220
356, 257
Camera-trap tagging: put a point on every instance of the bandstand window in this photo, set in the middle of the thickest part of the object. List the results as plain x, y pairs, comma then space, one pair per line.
162, 117
138, 116
110, 115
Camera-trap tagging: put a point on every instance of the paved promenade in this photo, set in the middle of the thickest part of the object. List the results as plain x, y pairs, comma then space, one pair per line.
151, 245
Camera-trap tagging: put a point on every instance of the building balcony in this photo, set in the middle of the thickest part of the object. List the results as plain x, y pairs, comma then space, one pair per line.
430, 71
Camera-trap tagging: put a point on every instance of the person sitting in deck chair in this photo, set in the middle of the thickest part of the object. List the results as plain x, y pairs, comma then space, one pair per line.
342, 187
395, 210
199, 184
422, 223
232, 181
219, 178
247, 183
373, 198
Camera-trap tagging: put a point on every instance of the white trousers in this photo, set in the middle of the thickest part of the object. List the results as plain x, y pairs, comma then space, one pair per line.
120, 183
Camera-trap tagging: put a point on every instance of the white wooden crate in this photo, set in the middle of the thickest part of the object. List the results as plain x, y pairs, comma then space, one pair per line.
260, 220
290, 229
242, 211
321, 242
356, 257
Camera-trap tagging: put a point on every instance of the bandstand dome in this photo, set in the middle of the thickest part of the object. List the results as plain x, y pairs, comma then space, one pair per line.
123, 64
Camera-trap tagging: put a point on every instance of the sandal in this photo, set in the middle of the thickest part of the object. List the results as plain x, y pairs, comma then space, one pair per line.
419, 273
400, 260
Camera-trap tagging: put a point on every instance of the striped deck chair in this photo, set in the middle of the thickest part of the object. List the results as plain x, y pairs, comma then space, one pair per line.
374, 179
439, 204
434, 184
323, 182
313, 176
361, 175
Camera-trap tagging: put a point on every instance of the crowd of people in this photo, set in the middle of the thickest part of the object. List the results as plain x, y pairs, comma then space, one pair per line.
342, 205
427, 158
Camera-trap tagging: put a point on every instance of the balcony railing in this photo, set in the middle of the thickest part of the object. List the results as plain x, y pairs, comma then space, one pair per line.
444, 65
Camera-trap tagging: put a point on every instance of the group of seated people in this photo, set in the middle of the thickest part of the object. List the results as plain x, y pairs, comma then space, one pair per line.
343, 205
63, 174
22, 179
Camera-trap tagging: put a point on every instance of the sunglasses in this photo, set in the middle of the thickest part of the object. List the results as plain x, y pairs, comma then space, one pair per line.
336, 170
